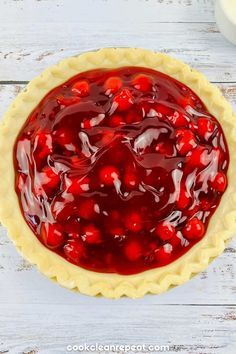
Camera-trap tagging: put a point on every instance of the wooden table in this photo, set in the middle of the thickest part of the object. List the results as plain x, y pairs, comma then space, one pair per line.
37, 316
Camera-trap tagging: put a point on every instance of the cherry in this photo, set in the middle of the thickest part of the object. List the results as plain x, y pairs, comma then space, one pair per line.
163, 254
114, 215
72, 228
163, 111
115, 120
88, 209
132, 250
131, 180
123, 100
142, 83
108, 175
112, 85
219, 182
65, 138
198, 157
185, 141
91, 234
133, 222
52, 235
81, 88
193, 229
205, 127
178, 119
165, 231
74, 250
77, 185
186, 101
117, 231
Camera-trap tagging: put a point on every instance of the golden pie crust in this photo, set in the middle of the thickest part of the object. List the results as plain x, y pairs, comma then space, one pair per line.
222, 225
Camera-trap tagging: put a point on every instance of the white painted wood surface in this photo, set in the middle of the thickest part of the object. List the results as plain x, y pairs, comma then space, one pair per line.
37, 316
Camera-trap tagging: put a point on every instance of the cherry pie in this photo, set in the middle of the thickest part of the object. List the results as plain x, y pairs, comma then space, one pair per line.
116, 170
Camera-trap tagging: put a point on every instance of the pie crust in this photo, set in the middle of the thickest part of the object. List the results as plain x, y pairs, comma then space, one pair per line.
222, 224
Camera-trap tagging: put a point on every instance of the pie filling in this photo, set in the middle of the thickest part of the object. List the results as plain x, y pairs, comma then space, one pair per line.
120, 171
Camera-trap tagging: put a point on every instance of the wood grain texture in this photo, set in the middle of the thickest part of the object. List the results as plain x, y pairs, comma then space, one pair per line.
187, 329
38, 316
106, 11
198, 44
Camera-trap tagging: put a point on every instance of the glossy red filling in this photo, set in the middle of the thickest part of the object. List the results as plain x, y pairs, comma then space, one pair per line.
120, 170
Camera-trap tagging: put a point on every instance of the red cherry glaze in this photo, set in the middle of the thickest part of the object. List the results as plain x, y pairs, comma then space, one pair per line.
116, 120
43, 144
132, 250
77, 185
120, 171
163, 111
65, 138
185, 141
205, 127
178, 119
142, 83
112, 85
87, 209
166, 148
67, 101
72, 228
183, 199
199, 157
219, 182
73, 250
123, 100
91, 234
163, 254
194, 229
108, 175
165, 231
175, 240
81, 88
47, 181
133, 222
52, 235
131, 179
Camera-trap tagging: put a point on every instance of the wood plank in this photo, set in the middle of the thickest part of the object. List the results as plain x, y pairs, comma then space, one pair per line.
186, 329
199, 44
32, 11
